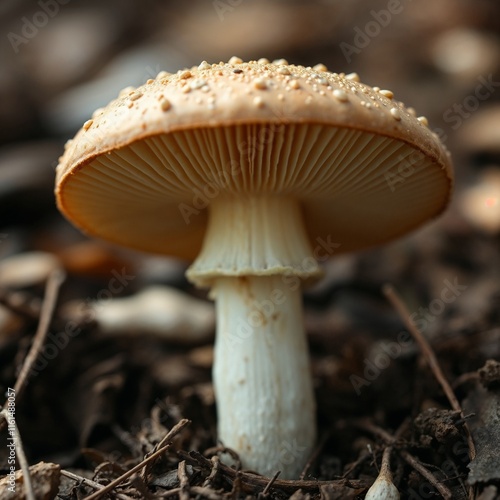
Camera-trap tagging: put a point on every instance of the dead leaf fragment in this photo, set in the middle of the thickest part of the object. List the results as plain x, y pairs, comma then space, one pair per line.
45, 478
485, 429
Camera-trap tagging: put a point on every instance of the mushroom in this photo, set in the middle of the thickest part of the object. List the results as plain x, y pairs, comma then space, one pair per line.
258, 171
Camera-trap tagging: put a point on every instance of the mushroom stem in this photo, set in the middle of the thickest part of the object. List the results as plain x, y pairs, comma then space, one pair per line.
262, 378
255, 253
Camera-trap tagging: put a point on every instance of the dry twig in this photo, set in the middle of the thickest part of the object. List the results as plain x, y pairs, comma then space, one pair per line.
253, 483
54, 282
213, 473
270, 484
88, 482
430, 357
315, 454
183, 481
151, 458
21, 457
51, 291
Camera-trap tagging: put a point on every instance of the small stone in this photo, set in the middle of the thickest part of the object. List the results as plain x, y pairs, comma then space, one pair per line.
235, 60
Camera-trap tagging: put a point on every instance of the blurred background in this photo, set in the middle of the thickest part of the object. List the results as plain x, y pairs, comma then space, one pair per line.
62, 59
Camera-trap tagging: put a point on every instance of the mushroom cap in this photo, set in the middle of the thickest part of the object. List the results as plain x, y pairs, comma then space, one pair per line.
143, 170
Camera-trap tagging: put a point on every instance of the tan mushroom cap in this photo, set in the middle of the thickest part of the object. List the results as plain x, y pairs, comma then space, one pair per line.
143, 170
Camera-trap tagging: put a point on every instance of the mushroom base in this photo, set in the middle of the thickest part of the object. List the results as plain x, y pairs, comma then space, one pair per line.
262, 377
